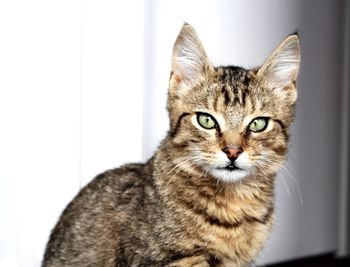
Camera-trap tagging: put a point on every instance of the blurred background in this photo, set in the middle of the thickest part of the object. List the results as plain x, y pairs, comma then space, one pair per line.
83, 88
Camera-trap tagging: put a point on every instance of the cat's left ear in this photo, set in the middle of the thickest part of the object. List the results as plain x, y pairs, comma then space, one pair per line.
189, 59
280, 70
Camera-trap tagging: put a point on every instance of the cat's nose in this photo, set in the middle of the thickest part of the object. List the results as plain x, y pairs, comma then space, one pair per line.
232, 152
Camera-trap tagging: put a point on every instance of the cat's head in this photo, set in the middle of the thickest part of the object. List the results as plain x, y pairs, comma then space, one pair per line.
230, 122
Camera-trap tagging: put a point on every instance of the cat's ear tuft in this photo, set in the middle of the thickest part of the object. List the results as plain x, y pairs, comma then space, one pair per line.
189, 59
280, 70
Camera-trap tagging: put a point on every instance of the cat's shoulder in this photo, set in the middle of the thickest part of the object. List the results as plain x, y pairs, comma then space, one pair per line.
127, 176
113, 188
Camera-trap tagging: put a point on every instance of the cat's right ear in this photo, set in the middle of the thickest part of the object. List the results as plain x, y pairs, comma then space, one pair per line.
280, 70
189, 59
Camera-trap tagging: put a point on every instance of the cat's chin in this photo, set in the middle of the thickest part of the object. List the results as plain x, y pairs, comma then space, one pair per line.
228, 175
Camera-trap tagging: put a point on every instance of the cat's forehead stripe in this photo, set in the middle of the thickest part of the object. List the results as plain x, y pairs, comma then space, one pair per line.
234, 83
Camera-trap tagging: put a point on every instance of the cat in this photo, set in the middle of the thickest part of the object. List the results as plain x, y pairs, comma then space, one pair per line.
206, 197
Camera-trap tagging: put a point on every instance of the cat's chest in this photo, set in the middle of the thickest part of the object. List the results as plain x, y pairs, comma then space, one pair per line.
239, 245
236, 234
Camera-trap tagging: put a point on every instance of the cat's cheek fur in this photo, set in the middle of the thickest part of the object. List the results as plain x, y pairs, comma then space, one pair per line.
244, 162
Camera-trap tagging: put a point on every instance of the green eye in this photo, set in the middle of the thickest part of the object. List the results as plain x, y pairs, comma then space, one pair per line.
206, 121
258, 124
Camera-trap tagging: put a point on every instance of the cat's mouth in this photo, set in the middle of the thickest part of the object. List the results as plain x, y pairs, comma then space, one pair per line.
229, 173
231, 167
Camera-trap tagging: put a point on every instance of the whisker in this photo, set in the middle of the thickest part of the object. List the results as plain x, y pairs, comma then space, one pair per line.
184, 160
286, 172
294, 180
197, 163
189, 161
291, 152
286, 186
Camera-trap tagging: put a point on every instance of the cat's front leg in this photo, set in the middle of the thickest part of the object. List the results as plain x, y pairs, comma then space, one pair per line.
190, 262
197, 261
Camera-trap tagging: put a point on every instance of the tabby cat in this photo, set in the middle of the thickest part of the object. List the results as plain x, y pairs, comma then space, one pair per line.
206, 197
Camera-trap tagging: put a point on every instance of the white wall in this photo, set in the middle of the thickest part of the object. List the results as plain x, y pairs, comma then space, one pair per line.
71, 102
112, 84
39, 120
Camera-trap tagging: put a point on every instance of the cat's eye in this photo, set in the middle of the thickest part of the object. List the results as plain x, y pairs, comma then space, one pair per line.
258, 124
206, 121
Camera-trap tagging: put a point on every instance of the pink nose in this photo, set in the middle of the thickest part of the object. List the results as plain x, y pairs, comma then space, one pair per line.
232, 152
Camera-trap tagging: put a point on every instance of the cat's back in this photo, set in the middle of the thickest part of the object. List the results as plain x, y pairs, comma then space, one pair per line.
115, 188
109, 207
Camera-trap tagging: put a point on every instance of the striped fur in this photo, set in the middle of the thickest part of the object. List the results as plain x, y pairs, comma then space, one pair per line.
186, 206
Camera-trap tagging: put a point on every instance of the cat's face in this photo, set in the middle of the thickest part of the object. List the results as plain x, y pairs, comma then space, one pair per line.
229, 122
